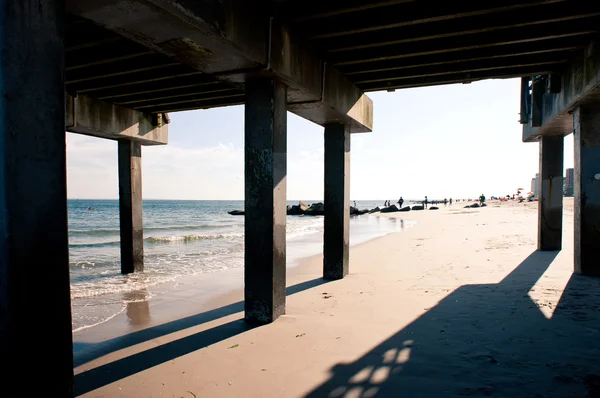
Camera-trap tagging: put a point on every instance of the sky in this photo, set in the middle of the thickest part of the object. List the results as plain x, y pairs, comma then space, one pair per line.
454, 141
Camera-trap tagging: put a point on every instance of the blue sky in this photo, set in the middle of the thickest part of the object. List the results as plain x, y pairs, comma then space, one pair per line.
447, 141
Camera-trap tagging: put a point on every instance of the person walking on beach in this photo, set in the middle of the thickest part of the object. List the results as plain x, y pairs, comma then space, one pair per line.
425, 202
400, 201
481, 200
445, 202
450, 202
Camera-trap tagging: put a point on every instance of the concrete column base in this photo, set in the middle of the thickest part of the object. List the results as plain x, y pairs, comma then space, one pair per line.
550, 205
265, 200
337, 201
130, 206
36, 346
587, 190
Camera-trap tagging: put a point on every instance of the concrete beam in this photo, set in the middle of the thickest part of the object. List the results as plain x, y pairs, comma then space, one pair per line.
265, 203
336, 235
35, 306
235, 40
340, 103
130, 206
89, 116
587, 189
550, 206
579, 85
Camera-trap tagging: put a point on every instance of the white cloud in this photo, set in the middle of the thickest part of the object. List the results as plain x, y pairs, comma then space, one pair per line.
172, 172
168, 172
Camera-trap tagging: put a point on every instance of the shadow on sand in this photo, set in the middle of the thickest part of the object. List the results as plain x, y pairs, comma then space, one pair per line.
481, 340
121, 368
487, 340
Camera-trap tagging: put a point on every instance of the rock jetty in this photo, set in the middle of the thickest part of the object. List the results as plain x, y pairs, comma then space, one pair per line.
316, 209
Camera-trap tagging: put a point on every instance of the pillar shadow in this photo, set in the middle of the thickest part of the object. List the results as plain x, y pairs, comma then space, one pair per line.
487, 340
119, 369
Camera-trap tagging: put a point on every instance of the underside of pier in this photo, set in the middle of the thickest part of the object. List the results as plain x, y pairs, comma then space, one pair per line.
116, 69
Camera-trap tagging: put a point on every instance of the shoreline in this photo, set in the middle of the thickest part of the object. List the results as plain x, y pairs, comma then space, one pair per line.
462, 304
224, 288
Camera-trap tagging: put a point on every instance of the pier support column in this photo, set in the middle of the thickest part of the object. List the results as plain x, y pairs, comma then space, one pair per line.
337, 201
35, 307
550, 205
265, 199
586, 139
130, 206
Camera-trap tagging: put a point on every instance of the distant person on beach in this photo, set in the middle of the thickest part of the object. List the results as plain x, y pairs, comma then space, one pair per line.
450, 202
445, 202
400, 201
481, 199
425, 202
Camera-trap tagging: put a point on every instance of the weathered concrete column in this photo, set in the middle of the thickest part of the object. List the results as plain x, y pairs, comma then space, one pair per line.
265, 204
337, 201
550, 205
130, 206
587, 190
35, 308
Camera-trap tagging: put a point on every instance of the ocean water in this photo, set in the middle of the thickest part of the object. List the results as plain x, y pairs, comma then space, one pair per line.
181, 238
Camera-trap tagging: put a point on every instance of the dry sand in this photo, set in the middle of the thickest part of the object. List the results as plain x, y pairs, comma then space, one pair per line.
459, 305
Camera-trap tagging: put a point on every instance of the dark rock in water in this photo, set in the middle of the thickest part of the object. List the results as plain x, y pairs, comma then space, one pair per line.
375, 210
236, 212
405, 208
294, 210
316, 209
434, 208
303, 206
298, 209
317, 206
391, 209
354, 211
418, 208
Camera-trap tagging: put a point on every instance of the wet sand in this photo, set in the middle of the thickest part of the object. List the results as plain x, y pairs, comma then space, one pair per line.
461, 304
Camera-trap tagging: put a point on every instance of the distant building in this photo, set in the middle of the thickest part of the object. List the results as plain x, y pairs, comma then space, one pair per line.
535, 185
569, 185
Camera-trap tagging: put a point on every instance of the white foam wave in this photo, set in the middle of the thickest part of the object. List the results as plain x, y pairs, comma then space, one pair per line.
191, 238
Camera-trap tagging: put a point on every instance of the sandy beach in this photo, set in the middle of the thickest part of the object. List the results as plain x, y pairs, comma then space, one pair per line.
461, 304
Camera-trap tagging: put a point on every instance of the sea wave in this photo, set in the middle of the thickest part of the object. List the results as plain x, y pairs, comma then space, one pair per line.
95, 244
190, 238
105, 232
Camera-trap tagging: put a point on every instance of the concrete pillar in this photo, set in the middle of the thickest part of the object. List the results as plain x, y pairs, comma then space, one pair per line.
538, 87
130, 206
550, 205
337, 201
265, 204
587, 190
35, 307
525, 100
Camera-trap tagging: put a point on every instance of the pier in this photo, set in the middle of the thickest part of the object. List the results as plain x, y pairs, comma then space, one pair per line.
117, 69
